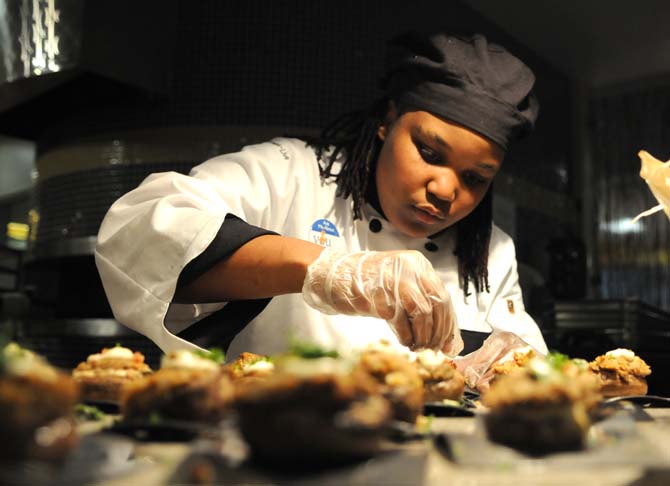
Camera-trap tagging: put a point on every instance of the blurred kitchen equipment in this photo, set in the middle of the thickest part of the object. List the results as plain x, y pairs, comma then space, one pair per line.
588, 328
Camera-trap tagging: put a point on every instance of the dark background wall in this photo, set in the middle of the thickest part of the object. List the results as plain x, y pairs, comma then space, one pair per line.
287, 66
146, 86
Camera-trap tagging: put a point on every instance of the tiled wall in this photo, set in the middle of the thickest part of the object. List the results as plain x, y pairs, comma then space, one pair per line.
300, 64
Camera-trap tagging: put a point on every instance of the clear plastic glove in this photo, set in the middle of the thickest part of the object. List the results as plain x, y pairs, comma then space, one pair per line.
398, 286
657, 176
477, 367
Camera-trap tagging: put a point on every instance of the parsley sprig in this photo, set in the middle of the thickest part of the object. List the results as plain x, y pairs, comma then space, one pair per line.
214, 354
557, 360
310, 351
88, 412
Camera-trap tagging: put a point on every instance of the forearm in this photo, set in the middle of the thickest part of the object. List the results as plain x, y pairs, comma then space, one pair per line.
263, 267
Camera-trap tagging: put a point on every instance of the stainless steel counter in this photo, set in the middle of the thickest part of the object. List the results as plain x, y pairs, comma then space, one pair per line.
639, 455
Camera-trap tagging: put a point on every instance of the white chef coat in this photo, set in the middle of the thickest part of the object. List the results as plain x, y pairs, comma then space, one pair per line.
151, 233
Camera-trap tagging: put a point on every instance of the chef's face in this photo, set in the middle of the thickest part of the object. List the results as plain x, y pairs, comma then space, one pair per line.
431, 173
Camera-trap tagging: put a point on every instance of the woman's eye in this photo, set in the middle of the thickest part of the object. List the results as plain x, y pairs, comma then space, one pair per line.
429, 155
474, 180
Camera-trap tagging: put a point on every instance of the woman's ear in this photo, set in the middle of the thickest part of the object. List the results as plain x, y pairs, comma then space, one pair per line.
389, 119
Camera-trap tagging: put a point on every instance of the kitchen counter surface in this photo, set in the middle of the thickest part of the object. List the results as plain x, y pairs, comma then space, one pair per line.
630, 452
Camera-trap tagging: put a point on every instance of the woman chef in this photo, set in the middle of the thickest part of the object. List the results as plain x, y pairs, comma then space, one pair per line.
380, 229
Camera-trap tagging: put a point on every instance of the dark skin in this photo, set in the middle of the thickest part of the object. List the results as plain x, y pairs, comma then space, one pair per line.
266, 266
431, 173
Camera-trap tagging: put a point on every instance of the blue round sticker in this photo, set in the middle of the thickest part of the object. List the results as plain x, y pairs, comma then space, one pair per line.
322, 232
326, 226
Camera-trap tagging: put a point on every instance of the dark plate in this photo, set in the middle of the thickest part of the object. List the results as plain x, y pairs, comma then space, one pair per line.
609, 408
645, 401
465, 408
440, 409
161, 431
398, 431
106, 406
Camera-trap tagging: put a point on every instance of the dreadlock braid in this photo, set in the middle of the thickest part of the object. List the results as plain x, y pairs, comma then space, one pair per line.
353, 139
473, 234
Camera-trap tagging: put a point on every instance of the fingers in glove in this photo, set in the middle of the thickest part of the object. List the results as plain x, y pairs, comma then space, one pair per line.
382, 306
403, 329
484, 382
455, 344
440, 309
441, 329
412, 304
421, 329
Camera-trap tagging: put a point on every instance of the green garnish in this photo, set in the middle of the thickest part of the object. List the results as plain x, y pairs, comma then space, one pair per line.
239, 366
424, 426
504, 466
310, 351
214, 354
88, 412
580, 363
155, 418
260, 358
554, 365
557, 360
11, 352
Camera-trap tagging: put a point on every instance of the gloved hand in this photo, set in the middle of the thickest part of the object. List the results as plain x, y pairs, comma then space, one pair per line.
398, 286
657, 176
477, 367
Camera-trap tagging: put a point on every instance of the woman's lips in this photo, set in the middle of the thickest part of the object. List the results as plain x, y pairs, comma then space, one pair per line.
428, 216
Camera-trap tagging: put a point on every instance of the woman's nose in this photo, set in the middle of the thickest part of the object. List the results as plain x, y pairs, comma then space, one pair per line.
444, 184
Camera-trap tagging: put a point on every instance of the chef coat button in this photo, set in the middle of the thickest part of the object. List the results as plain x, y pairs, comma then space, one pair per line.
430, 246
375, 225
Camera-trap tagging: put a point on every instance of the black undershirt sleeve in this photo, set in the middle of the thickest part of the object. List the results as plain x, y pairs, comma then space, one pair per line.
219, 329
233, 233
472, 340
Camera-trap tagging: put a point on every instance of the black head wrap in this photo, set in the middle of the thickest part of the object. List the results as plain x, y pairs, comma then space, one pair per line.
465, 79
